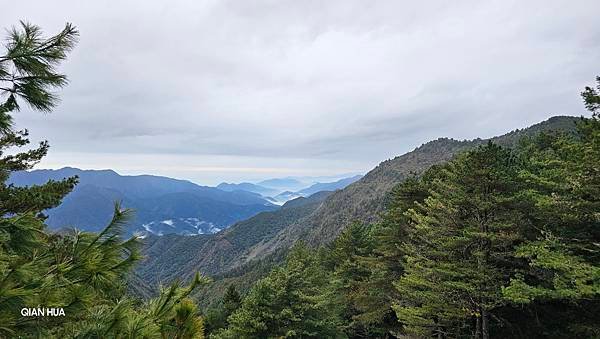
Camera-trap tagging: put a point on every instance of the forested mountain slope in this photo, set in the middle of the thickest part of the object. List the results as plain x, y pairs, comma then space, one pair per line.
364, 200
316, 220
172, 256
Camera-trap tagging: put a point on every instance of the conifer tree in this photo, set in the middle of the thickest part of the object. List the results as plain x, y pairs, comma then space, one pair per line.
216, 317
27, 268
385, 262
349, 264
563, 260
459, 249
231, 300
83, 273
292, 302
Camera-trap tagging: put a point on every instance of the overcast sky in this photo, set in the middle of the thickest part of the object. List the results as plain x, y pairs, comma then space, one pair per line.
242, 90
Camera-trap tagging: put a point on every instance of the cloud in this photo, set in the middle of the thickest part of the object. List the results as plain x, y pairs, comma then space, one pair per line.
304, 85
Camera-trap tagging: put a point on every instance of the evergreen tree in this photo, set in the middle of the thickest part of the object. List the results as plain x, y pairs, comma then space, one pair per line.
83, 273
459, 250
231, 300
385, 261
216, 318
170, 315
564, 259
27, 268
348, 260
291, 302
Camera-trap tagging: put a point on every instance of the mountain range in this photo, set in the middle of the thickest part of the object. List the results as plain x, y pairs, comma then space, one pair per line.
162, 205
171, 256
281, 190
249, 187
249, 248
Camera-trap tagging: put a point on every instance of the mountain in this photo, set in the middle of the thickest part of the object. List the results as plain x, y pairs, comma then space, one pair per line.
284, 184
309, 187
328, 186
162, 205
286, 196
172, 256
249, 187
237, 252
365, 199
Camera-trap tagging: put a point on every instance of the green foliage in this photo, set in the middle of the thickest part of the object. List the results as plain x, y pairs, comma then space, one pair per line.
591, 97
373, 292
460, 243
85, 274
231, 300
290, 302
564, 261
28, 69
171, 315
572, 277
216, 317
348, 261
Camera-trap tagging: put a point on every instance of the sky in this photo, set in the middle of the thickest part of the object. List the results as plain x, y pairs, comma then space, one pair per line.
215, 91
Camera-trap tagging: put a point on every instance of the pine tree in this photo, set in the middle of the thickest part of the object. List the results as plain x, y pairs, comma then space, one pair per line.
27, 73
564, 258
348, 260
83, 273
385, 260
170, 315
231, 300
292, 302
459, 250
216, 317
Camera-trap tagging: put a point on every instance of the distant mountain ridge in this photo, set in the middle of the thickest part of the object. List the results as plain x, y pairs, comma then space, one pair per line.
364, 200
162, 205
248, 187
286, 189
329, 186
283, 184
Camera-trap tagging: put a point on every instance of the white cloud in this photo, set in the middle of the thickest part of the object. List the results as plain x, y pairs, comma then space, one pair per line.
303, 86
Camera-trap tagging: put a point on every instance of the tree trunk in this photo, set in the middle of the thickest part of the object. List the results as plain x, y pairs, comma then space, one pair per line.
485, 329
478, 327
438, 329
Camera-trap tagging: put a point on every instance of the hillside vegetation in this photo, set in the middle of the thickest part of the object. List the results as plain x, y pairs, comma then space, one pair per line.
320, 220
170, 257
496, 242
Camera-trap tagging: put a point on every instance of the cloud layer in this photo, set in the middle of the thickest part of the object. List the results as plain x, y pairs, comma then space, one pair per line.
231, 90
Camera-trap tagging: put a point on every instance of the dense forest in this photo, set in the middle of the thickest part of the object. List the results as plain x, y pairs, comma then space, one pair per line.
498, 241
